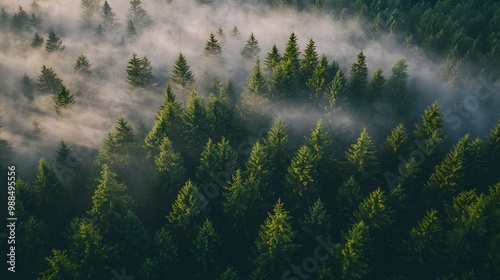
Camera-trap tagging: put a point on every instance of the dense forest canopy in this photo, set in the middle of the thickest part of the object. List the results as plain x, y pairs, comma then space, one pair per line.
258, 139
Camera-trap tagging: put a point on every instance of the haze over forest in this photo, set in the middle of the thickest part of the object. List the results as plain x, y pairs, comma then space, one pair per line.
309, 112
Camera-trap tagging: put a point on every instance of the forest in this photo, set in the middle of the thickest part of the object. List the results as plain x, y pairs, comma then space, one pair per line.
251, 140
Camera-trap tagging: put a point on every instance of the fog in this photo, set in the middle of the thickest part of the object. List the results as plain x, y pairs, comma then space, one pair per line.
33, 128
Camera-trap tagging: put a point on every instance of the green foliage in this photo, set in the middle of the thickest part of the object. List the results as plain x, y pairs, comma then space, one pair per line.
181, 73
139, 72
19, 20
362, 159
108, 17
347, 199
63, 100
82, 65
374, 212
358, 81
229, 274
212, 48
37, 41
251, 49
60, 267
301, 179
376, 86
110, 203
188, 208
355, 251
397, 92
309, 62
272, 59
336, 90
54, 43
318, 78
275, 244
207, 245
137, 15
48, 81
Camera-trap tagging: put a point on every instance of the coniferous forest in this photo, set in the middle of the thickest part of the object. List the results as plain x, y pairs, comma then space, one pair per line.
250, 140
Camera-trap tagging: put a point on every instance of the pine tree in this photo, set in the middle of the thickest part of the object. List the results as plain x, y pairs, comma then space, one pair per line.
362, 162
347, 199
243, 202
51, 195
320, 142
424, 247
376, 86
60, 267
139, 72
48, 82
396, 144
212, 48
493, 152
355, 252
318, 78
275, 244
272, 59
189, 207
253, 98
194, 120
258, 167
309, 62
19, 20
316, 223
37, 41
131, 29
358, 81
207, 245
278, 151
64, 155
167, 124
82, 65
110, 203
374, 212
284, 80
33, 241
108, 17
221, 118
429, 136
54, 43
169, 175
221, 36
181, 73
229, 274
235, 33
336, 91
214, 160
90, 8
302, 178
88, 249
164, 262
251, 49
397, 89
137, 15
63, 100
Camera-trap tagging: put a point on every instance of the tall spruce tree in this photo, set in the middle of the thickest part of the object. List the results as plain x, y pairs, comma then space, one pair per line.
308, 62
376, 86
302, 178
358, 81
63, 99
82, 65
206, 251
181, 75
108, 18
336, 91
319, 78
356, 253
188, 209
275, 244
362, 162
397, 92
48, 81
251, 49
37, 41
137, 15
54, 43
272, 59
212, 48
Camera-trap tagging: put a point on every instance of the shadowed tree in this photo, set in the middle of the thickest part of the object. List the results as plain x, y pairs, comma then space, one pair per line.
137, 15
302, 178
278, 152
164, 261
308, 62
356, 253
19, 20
376, 86
48, 81
82, 65
272, 59
358, 82
89, 13
318, 79
336, 91
207, 245
251, 49
54, 43
229, 274
63, 99
108, 18
37, 41
397, 92
362, 162
60, 267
